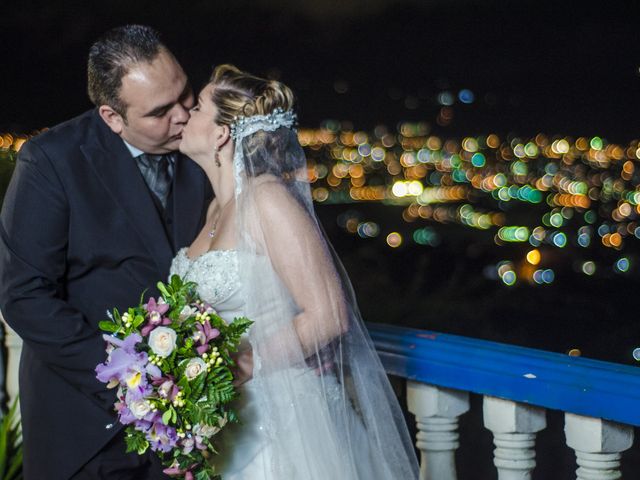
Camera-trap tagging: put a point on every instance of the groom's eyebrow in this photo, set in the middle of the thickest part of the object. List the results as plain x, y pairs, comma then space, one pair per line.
162, 109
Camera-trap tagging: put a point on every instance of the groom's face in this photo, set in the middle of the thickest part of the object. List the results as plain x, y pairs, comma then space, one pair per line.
158, 98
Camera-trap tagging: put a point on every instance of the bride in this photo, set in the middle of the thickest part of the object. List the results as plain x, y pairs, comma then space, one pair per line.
315, 401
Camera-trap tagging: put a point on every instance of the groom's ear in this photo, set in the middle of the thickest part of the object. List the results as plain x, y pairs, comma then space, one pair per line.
112, 118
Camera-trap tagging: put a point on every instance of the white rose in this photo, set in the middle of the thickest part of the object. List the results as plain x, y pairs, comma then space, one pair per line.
139, 408
205, 431
194, 368
162, 341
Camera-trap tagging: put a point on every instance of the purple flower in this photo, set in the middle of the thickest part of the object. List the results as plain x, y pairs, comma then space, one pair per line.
128, 344
127, 416
153, 306
205, 334
190, 441
124, 414
155, 312
121, 365
145, 424
187, 445
175, 470
204, 307
166, 387
162, 437
127, 366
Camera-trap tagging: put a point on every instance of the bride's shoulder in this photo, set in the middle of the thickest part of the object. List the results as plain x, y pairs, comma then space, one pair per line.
268, 187
273, 197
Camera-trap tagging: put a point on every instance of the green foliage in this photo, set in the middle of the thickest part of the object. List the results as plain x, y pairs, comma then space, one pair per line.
205, 414
108, 326
197, 386
136, 442
204, 475
221, 390
11, 445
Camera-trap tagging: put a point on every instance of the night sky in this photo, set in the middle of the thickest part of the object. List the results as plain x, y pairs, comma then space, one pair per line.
557, 67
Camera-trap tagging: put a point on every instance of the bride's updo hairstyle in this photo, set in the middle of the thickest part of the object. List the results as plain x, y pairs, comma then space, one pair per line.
241, 94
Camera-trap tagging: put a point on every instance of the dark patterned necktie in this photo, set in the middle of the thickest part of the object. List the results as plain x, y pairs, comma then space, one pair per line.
157, 171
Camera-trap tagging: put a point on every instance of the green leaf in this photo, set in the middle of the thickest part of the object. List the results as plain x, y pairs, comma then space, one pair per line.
166, 416
203, 475
137, 321
205, 413
11, 445
232, 417
108, 326
197, 386
15, 468
10, 440
4, 433
142, 295
221, 394
183, 384
176, 282
163, 290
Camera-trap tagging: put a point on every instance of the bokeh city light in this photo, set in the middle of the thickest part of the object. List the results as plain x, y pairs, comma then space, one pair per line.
566, 192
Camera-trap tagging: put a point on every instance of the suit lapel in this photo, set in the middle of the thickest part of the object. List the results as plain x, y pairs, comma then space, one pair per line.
118, 172
190, 198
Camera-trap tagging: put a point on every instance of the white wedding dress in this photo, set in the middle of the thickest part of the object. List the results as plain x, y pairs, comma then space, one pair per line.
246, 449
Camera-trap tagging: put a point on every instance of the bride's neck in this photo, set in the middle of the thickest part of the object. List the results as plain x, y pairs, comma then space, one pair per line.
222, 181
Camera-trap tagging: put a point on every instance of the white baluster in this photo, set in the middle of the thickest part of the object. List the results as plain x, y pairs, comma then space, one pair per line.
14, 348
437, 411
598, 445
514, 426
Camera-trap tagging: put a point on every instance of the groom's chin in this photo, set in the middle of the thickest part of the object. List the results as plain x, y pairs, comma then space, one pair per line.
174, 143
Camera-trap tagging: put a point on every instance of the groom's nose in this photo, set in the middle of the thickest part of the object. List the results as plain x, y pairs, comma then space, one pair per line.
181, 113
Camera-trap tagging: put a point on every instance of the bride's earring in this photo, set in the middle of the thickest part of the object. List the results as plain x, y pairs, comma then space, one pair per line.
217, 156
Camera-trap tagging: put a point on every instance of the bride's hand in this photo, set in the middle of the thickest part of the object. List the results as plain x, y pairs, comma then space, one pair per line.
244, 367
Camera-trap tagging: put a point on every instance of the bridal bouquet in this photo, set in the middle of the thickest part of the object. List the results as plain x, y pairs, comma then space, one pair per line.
170, 359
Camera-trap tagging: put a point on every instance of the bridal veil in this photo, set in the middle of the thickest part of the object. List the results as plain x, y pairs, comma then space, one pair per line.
327, 403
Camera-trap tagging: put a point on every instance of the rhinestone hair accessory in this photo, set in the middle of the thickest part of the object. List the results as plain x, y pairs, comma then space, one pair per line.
244, 126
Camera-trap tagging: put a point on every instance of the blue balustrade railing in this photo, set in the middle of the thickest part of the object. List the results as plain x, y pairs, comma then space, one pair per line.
572, 384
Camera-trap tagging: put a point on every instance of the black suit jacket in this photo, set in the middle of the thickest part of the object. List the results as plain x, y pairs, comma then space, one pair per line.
80, 234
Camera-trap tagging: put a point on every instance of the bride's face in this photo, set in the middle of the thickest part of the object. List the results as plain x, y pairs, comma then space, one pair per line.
201, 132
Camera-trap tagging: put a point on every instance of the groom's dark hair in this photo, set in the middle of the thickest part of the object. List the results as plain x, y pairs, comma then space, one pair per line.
111, 57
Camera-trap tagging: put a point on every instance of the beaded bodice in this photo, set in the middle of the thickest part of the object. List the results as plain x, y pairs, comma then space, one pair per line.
216, 273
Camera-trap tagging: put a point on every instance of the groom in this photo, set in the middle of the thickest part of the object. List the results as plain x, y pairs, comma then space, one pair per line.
95, 211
